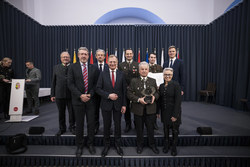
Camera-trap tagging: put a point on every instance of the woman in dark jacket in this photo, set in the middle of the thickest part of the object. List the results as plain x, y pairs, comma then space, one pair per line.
6, 74
170, 105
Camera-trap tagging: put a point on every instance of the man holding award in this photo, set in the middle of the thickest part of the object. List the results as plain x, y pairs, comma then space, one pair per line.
143, 93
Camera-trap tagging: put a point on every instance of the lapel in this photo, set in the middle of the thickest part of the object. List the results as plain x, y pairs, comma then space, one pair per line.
117, 77
175, 63
79, 71
108, 77
167, 63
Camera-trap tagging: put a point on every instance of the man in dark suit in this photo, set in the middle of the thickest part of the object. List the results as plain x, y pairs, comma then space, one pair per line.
82, 78
111, 86
131, 70
177, 66
102, 66
60, 93
154, 68
144, 110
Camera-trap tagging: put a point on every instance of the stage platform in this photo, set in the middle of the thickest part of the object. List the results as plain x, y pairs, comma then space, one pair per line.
229, 145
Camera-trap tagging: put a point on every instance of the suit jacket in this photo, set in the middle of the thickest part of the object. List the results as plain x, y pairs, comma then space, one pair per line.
35, 76
76, 82
178, 71
170, 102
130, 71
104, 88
134, 93
156, 68
106, 67
59, 85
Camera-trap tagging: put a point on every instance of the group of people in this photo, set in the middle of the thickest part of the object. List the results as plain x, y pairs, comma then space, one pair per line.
114, 89
32, 85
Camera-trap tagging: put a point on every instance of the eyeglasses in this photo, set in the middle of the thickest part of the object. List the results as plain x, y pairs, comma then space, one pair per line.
168, 75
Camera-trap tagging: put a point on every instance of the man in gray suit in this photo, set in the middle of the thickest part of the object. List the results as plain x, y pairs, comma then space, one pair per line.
32, 85
61, 94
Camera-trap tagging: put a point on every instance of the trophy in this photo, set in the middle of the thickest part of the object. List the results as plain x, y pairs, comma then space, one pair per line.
148, 93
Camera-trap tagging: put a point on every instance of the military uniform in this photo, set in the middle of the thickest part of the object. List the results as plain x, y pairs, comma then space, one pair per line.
155, 68
130, 70
143, 114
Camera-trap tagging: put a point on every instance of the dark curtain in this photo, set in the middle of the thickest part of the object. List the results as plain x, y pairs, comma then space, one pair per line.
217, 52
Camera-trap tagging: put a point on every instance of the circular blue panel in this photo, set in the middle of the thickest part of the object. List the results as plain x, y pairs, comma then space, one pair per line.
233, 4
139, 13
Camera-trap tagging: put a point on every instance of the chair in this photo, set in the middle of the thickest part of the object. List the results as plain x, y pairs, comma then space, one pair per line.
209, 92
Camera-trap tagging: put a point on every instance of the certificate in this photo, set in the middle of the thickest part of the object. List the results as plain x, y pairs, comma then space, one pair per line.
157, 76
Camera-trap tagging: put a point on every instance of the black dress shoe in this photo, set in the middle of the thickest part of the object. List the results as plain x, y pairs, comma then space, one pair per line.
36, 112
73, 131
91, 149
139, 150
174, 151
105, 151
128, 128
119, 150
165, 149
156, 126
155, 149
78, 151
60, 132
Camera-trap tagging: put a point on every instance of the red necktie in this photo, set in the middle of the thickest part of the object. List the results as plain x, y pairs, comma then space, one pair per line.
113, 79
85, 78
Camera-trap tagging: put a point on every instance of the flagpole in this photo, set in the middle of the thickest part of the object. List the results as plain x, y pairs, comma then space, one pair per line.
155, 56
74, 58
162, 57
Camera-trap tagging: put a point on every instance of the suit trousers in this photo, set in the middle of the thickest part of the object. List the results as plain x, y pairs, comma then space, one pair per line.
107, 121
32, 92
87, 109
97, 109
148, 120
127, 114
62, 103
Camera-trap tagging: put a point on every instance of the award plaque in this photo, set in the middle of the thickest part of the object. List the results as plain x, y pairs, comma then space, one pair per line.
148, 93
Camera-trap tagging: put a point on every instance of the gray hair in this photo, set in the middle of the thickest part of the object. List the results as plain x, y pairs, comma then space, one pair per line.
168, 69
83, 48
64, 52
143, 63
99, 50
111, 56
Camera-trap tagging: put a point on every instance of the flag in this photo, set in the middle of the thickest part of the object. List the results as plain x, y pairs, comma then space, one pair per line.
139, 56
74, 58
178, 55
155, 56
147, 56
107, 55
91, 58
162, 57
123, 55
116, 52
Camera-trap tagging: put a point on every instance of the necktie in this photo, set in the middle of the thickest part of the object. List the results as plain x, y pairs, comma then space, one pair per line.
144, 82
113, 79
85, 78
100, 67
171, 64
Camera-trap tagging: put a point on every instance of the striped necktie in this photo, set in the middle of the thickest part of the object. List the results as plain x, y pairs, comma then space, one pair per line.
85, 78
